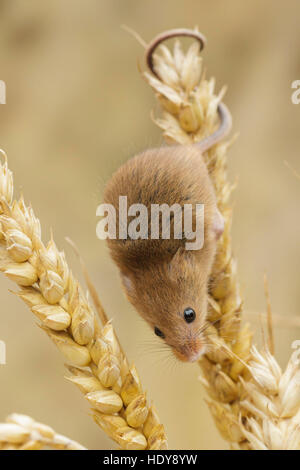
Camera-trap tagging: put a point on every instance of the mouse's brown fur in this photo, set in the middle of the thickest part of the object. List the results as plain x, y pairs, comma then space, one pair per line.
161, 278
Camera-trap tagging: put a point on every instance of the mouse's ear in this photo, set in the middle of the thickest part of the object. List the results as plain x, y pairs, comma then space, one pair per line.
218, 224
181, 261
127, 283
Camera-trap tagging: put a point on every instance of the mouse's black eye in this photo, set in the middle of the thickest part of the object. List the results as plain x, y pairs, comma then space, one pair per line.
189, 315
158, 332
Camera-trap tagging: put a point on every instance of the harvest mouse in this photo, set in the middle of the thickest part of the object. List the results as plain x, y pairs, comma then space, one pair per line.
165, 282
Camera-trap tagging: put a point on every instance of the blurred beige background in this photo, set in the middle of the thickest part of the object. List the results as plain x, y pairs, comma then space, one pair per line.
76, 109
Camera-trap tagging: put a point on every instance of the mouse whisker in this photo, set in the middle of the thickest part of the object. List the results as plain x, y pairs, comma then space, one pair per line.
207, 325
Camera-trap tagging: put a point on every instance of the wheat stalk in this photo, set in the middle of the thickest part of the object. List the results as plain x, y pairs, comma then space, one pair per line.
20, 432
97, 365
253, 403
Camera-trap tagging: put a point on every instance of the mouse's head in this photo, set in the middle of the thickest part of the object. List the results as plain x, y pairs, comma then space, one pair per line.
172, 298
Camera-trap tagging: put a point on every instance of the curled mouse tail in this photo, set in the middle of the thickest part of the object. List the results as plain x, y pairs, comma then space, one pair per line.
220, 133
224, 114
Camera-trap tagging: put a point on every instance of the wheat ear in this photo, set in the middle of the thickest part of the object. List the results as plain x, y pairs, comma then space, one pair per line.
97, 364
253, 403
20, 432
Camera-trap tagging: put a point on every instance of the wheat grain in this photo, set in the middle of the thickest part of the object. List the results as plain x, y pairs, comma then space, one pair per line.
253, 403
20, 432
97, 364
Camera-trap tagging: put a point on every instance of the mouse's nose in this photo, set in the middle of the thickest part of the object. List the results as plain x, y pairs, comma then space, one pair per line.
190, 352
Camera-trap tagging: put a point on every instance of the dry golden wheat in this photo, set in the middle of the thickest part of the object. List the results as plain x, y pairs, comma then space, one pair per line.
253, 403
97, 364
20, 432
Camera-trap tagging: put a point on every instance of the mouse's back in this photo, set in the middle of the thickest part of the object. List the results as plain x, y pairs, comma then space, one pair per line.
168, 175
